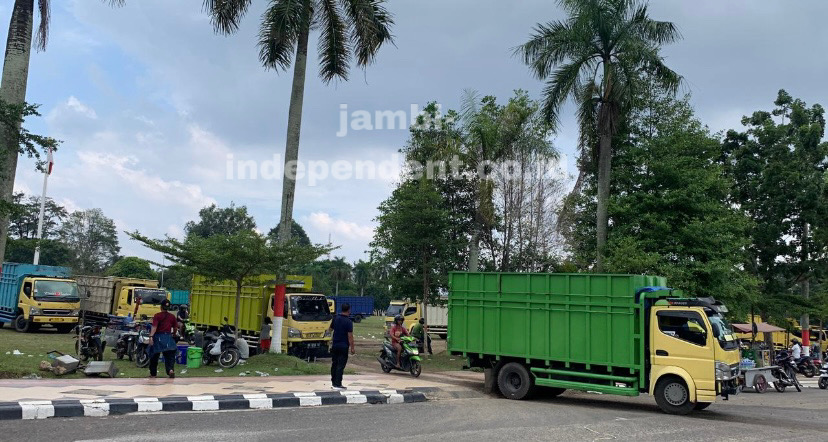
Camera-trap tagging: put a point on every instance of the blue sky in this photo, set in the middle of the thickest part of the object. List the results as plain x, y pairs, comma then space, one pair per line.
149, 102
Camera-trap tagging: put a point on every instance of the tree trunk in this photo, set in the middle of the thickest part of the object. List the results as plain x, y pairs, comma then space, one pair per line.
238, 307
294, 127
474, 248
336, 293
13, 91
806, 293
604, 168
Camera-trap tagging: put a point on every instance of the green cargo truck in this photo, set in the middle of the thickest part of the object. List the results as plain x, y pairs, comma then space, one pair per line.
614, 334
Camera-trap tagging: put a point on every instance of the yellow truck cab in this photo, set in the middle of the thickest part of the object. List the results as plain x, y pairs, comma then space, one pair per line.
410, 311
331, 306
112, 295
306, 324
36, 295
306, 320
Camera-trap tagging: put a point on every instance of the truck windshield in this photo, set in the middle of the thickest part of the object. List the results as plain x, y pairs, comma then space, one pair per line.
150, 296
394, 310
309, 308
723, 332
56, 291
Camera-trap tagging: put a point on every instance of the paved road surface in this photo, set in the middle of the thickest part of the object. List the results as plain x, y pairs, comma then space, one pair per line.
573, 416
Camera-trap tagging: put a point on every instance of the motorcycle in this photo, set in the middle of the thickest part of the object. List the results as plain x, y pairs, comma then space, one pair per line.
785, 372
188, 332
221, 347
142, 339
409, 358
125, 345
823, 376
89, 344
806, 367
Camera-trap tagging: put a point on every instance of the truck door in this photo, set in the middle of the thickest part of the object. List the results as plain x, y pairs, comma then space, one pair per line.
681, 338
411, 315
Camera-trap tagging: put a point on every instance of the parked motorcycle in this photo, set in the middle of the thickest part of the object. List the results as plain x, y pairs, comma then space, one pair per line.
89, 344
142, 345
221, 347
125, 345
409, 358
188, 332
805, 366
785, 373
823, 376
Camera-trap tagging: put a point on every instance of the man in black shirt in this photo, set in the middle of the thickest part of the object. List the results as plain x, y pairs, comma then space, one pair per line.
343, 337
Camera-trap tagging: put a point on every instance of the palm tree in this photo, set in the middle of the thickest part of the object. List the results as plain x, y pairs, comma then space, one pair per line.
349, 29
595, 57
339, 271
13, 86
362, 274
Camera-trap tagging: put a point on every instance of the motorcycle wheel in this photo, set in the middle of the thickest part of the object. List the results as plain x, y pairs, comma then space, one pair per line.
82, 354
823, 383
141, 358
130, 351
229, 358
779, 386
415, 368
809, 371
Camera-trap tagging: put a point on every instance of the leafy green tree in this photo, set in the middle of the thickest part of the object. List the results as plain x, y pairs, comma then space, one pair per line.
214, 220
13, 139
340, 271
233, 257
297, 232
24, 217
349, 30
176, 277
52, 252
778, 167
132, 267
92, 240
362, 275
414, 238
594, 57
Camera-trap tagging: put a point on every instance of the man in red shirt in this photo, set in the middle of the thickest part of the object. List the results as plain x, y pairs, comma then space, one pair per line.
398, 331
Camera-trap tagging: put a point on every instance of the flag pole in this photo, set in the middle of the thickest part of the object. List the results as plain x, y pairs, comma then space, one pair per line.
46, 174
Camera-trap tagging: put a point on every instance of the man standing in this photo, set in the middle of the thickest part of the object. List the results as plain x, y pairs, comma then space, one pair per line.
343, 338
421, 333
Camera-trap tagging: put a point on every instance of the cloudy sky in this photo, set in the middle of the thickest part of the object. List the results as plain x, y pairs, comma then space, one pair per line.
151, 104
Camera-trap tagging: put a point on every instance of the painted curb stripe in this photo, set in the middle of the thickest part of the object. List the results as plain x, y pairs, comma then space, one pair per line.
116, 406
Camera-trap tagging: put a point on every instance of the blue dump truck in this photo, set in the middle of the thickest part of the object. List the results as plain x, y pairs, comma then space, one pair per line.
361, 306
34, 295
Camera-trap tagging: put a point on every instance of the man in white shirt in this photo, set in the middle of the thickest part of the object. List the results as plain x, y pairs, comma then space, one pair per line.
796, 350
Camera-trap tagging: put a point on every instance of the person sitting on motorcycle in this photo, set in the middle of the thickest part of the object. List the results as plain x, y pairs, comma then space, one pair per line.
397, 332
182, 317
796, 350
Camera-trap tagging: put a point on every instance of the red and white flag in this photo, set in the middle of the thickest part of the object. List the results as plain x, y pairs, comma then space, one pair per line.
50, 162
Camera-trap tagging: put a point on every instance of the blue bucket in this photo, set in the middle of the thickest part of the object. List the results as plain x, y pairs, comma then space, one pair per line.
181, 355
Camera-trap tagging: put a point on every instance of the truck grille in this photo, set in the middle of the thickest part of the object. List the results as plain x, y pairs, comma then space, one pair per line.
56, 312
312, 335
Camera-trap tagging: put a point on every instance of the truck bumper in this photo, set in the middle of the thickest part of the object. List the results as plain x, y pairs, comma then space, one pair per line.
305, 349
730, 387
54, 319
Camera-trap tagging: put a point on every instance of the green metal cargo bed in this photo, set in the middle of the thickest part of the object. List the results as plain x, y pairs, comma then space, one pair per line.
555, 319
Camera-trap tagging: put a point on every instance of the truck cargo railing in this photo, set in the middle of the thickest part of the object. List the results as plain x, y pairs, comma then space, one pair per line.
630, 390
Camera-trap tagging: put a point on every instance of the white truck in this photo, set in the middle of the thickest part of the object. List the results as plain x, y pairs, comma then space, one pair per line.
436, 315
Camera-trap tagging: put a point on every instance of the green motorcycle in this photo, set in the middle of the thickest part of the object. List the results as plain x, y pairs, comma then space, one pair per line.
409, 359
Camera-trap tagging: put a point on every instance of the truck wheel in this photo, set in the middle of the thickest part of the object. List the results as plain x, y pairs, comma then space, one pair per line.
21, 324
443, 336
702, 405
673, 396
358, 319
515, 381
551, 392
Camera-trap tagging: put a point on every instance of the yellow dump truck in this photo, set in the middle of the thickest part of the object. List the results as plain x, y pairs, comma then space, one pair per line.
35, 295
307, 318
112, 295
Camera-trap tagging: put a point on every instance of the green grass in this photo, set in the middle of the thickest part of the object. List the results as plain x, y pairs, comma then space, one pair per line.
372, 328
38, 344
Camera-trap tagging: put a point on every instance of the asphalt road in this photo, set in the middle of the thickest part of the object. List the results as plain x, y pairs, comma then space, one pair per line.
571, 417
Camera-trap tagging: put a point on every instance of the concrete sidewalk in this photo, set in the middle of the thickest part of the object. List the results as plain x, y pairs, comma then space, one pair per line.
130, 388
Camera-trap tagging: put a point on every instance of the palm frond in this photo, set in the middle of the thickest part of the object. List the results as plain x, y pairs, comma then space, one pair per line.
42, 35
281, 25
563, 83
116, 3
225, 15
551, 44
469, 105
587, 98
369, 27
334, 50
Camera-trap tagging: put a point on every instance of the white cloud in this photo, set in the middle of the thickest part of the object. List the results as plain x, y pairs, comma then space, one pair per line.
149, 185
75, 105
349, 230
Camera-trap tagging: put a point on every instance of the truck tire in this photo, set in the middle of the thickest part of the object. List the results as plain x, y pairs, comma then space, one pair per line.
551, 392
22, 325
515, 381
444, 336
673, 396
358, 319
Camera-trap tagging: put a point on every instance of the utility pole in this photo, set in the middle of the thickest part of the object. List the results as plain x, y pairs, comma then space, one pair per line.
806, 293
49, 163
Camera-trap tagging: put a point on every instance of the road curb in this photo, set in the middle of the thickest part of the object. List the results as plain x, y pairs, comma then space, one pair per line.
113, 407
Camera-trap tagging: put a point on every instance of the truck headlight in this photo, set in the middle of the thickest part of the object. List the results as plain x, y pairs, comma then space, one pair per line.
294, 332
327, 334
722, 371
35, 311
